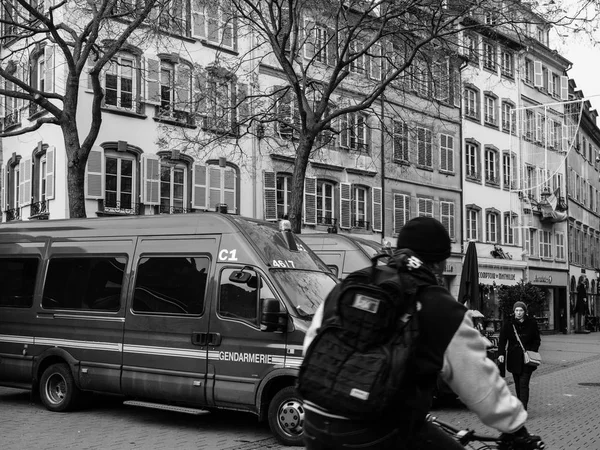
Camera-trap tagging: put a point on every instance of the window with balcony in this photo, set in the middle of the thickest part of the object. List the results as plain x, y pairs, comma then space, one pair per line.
12, 185
354, 132
446, 153
471, 103
400, 141
173, 188
491, 166
42, 180
359, 207
424, 147
472, 161
119, 181
325, 203
168, 86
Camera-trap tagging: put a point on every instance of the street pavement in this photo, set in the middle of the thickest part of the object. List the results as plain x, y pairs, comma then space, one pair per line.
564, 406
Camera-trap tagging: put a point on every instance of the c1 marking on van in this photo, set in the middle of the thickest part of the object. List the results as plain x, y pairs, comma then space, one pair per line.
284, 264
228, 255
246, 357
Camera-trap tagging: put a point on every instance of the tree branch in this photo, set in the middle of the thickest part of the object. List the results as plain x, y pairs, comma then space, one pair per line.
35, 126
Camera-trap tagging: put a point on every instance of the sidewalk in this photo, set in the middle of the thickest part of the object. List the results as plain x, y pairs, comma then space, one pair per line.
565, 394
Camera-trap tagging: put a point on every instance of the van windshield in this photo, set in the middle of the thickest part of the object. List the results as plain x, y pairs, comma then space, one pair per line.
305, 289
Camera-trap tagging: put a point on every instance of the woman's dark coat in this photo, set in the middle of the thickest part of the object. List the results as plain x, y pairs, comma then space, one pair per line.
513, 354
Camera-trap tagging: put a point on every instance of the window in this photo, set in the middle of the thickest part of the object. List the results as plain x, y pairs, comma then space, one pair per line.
447, 216
472, 224
424, 147
446, 152
507, 60
171, 285
529, 132
509, 118
509, 233
401, 211
491, 166
119, 181
425, 207
422, 80
42, 180
472, 161
167, 86
173, 188
529, 71
359, 64
172, 18
284, 195
119, 83
288, 116
223, 188
471, 103
489, 56
324, 202
492, 225
472, 48
359, 207
530, 241
554, 88
508, 170
214, 22
17, 278
13, 183
84, 283
241, 300
318, 42
489, 108
545, 244
43, 167
400, 141
353, 132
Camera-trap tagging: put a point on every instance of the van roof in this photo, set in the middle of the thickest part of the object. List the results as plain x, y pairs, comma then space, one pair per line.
204, 222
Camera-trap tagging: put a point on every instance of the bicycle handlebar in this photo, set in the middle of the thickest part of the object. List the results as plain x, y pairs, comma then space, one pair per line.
466, 436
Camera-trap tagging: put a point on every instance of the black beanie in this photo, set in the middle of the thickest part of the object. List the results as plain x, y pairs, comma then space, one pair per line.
427, 237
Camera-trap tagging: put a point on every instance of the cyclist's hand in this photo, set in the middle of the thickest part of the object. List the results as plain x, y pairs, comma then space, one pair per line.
501, 359
520, 440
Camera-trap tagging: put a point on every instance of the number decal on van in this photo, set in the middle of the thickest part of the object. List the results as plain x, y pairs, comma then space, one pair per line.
283, 264
228, 255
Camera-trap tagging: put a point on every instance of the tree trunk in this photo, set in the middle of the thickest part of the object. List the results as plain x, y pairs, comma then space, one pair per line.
75, 172
302, 154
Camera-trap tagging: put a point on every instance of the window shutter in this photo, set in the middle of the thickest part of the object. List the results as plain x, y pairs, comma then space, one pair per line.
89, 66
401, 211
242, 104
199, 186
538, 74
344, 131
152, 81
309, 39
310, 201
199, 91
151, 179
94, 174
376, 192
214, 182
375, 62
447, 217
345, 205
229, 191
212, 20
564, 88
565, 138
3, 99
2, 190
25, 173
183, 87
198, 20
270, 195
50, 169
49, 67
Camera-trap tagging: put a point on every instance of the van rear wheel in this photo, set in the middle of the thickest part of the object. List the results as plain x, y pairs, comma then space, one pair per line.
286, 416
58, 391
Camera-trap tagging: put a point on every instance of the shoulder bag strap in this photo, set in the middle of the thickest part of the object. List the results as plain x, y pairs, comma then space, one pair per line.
518, 338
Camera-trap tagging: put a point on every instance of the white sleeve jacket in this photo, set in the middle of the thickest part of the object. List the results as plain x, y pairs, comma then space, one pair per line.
449, 344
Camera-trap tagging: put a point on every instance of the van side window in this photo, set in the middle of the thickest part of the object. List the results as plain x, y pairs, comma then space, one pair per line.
84, 283
239, 299
17, 281
171, 285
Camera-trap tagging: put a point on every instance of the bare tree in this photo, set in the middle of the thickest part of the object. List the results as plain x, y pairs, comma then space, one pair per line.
335, 58
85, 36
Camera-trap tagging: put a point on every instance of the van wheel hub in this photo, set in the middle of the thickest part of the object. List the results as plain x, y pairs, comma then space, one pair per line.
291, 417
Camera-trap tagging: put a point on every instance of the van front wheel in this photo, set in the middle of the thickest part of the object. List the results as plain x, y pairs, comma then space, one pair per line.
286, 416
58, 391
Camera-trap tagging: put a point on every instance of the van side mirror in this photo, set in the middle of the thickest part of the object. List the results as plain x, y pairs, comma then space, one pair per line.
271, 316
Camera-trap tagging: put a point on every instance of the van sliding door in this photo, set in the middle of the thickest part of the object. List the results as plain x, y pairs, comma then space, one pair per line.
164, 346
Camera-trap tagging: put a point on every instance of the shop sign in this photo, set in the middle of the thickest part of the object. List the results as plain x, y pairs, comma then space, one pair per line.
548, 278
490, 275
451, 269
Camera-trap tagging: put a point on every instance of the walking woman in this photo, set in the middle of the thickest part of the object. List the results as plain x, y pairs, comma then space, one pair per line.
510, 350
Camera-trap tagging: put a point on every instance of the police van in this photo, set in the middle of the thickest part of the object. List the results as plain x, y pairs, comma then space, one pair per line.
202, 310
343, 254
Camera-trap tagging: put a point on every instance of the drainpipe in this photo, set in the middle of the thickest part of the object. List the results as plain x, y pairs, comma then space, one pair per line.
382, 171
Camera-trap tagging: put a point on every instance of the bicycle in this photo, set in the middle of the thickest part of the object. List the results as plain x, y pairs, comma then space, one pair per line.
475, 441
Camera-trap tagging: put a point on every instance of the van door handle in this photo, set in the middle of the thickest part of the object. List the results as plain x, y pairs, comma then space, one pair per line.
199, 338
214, 339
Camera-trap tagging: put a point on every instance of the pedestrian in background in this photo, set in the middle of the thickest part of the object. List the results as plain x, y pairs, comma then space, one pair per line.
511, 352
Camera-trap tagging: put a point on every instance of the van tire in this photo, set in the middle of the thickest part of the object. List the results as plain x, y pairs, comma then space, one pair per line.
58, 391
286, 417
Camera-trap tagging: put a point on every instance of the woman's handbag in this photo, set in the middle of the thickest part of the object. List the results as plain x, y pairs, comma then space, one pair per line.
531, 358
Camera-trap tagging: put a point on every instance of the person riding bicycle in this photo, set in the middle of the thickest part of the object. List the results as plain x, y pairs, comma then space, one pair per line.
449, 344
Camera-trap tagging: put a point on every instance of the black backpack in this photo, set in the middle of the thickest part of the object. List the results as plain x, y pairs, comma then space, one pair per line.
357, 364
